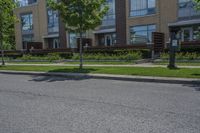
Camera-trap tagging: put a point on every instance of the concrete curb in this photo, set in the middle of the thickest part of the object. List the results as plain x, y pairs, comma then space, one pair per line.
108, 76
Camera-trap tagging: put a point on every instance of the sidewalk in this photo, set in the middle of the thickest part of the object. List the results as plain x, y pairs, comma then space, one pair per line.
97, 65
109, 77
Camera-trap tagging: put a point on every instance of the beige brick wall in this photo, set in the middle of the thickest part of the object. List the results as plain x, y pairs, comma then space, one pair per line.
166, 12
39, 22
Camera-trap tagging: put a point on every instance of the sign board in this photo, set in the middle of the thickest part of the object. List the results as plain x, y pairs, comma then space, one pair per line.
175, 43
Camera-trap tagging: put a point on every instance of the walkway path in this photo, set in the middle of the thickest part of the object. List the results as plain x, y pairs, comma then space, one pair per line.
99, 65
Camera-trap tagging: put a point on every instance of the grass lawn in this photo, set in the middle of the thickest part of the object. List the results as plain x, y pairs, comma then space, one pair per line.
180, 63
160, 72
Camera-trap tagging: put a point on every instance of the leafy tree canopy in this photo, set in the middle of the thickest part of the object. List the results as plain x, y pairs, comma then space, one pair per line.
198, 4
80, 15
7, 20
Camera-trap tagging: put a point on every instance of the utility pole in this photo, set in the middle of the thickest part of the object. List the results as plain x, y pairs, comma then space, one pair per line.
174, 43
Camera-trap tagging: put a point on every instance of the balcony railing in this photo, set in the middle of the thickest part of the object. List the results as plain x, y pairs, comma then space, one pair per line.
22, 3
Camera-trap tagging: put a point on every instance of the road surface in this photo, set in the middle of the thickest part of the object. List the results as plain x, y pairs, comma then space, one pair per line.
37, 104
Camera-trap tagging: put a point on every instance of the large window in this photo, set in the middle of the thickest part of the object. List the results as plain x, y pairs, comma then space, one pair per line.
53, 24
25, 39
25, 2
191, 33
187, 8
73, 39
141, 34
27, 22
142, 7
109, 18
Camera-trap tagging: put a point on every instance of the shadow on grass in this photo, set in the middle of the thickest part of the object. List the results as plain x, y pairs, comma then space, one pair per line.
64, 77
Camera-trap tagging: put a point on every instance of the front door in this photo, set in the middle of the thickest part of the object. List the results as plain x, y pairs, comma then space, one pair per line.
56, 43
187, 34
108, 40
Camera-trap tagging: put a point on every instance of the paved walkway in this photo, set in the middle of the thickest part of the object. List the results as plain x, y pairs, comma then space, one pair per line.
100, 65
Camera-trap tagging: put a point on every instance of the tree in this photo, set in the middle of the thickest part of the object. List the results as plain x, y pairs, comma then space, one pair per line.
6, 23
197, 4
80, 16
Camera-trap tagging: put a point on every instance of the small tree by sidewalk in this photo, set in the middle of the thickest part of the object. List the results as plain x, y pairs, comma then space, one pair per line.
198, 8
6, 20
80, 16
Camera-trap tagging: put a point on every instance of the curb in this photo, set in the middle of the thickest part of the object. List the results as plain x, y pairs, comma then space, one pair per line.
109, 77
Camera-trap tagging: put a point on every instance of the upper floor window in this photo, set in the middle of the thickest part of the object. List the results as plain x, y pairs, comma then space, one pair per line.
109, 18
53, 24
25, 2
187, 8
27, 22
142, 7
141, 34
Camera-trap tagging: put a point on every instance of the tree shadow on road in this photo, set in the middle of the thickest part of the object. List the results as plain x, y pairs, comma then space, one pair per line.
196, 86
64, 77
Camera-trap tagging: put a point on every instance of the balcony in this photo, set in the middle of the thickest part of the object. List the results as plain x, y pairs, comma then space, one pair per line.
22, 3
109, 20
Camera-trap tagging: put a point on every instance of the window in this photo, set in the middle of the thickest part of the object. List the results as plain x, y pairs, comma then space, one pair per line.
190, 33
25, 39
187, 8
109, 18
53, 23
73, 38
141, 34
27, 22
25, 2
142, 7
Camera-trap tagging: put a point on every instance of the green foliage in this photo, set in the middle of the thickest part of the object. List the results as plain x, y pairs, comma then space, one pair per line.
50, 57
182, 56
146, 53
53, 56
7, 24
197, 4
80, 15
130, 56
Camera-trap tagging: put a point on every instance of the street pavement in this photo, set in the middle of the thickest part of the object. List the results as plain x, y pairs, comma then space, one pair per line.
39, 104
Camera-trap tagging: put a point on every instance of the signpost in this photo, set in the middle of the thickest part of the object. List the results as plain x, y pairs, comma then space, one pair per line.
173, 48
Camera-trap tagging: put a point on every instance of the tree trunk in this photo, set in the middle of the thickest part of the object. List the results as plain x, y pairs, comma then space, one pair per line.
81, 51
2, 52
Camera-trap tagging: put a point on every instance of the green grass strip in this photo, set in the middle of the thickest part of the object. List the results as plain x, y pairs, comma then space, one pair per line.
160, 72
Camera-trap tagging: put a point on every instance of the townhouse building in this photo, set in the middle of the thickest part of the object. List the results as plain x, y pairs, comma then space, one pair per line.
128, 22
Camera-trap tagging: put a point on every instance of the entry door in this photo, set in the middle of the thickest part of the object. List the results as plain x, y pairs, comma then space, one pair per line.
187, 34
108, 40
55, 43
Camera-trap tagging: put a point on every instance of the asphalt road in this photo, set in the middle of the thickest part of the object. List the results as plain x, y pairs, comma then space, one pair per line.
35, 104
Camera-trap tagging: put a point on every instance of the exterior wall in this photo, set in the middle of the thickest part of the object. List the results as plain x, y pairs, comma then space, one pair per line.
166, 12
121, 22
39, 22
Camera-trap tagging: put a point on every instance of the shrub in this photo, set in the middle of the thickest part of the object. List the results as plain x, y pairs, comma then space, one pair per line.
53, 56
146, 53
182, 56
129, 56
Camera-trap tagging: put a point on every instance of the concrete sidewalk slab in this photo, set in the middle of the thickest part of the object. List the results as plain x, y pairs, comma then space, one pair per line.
97, 65
109, 76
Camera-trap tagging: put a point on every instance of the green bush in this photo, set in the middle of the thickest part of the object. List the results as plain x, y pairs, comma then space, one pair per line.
53, 56
146, 53
129, 56
182, 56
